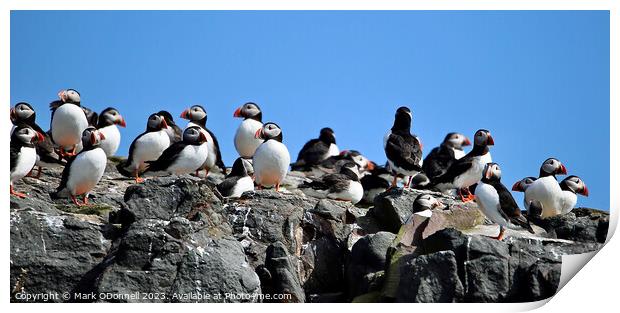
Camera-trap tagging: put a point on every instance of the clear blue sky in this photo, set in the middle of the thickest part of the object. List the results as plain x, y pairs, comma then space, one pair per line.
538, 80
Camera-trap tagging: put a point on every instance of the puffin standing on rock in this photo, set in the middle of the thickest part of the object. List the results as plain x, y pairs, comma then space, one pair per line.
497, 203
403, 150
316, 150
148, 146
173, 130
182, 157
68, 122
107, 126
238, 180
23, 153
467, 170
344, 186
271, 159
245, 141
197, 116
544, 195
84, 170
439, 160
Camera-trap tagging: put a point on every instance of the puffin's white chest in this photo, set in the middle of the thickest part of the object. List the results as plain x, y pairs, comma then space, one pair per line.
458, 153
149, 147
245, 142
68, 124
473, 174
189, 160
547, 191
243, 184
569, 200
86, 171
353, 193
271, 162
112, 139
487, 199
26, 160
333, 150
211, 156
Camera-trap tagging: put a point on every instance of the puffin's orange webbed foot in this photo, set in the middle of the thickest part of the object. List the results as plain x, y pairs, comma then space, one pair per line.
18, 194
75, 201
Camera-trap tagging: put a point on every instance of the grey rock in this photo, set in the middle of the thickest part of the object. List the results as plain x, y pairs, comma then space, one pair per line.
429, 278
283, 277
367, 258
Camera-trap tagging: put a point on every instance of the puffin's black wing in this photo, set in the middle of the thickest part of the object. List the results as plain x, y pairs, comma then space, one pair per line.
15, 150
178, 132
166, 158
316, 184
457, 168
509, 208
91, 116
46, 152
373, 181
65, 174
122, 165
227, 185
404, 151
438, 161
312, 152
336, 182
218, 161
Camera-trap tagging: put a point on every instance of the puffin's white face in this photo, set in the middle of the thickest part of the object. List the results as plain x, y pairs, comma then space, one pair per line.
523, 184
427, 201
112, 116
248, 166
458, 141
352, 167
194, 135
269, 131
21, 111
483, 137
248, 110
156, 122
492, 170
553, 166
576, 185
28, 135
92, 136
69, 96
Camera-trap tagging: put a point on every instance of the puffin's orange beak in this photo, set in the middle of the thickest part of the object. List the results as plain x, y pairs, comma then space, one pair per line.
371, 166
585, 191
186, 115
38, 138
562, 170
163, 123
121, 122
13, 115
488, 173
101, 136
259, 134
62, 95
517, 187
466, 142
237, 112
203, 137
490, 141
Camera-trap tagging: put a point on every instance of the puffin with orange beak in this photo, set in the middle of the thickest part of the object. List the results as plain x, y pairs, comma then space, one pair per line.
23, 153
272, 158
83, 171
467, 170
109, 119
572, 186
402, 149
545, 192
69, 120
497, 203
440, 158
182, 157
197, 116
245, 141
148, 146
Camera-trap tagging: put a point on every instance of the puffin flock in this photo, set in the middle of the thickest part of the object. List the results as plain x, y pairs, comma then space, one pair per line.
81, 141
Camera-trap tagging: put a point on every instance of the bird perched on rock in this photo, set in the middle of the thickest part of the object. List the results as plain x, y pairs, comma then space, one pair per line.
245, 141
343, 186
84, 170
173, 130
271, 159
497, 203
23, 153
376, 182
333, 163
23, 114
467, 170
148, 146
238, 180
316, 150
68, 122
182, 157
107, 125
197, 116
440, 158
572, 186
545, 192
424, 204
403, 150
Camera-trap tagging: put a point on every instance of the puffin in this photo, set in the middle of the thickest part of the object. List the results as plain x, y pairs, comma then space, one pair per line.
84, 170
523, 184
271, 159
332, 164
197, 116
245, 141
316, 150
440, 158
182, 157
148, 146
23, 153
174, 131
497, 203
107, 125
424, 204
238, 180
343, 186
23, 114
467, 170
572, 186
403, 150
376, 182
545, 192
68, 122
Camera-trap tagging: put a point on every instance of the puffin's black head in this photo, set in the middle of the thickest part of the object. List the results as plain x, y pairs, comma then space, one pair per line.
269, 131
351, 170
327, 136
249, 110
194, 136
23, 112
196, 113
167, 116
483, 138
523, 184
552, 167
456, 141
240, 168
361, 161
574, 184
425, 202
26, 135
91, 137
402, 119
491, 172
156, 122
69, 96
110, 116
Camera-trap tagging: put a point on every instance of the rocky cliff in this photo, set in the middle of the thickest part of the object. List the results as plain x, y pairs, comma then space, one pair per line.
176, 239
